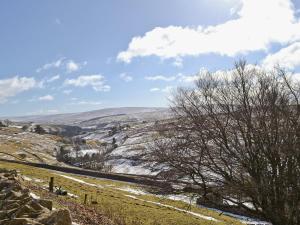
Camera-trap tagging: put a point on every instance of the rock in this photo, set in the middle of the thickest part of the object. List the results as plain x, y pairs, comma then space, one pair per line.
18, 207
46, 203
19, 221
60, 217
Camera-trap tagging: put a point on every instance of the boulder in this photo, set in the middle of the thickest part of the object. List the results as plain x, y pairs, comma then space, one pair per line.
59, 217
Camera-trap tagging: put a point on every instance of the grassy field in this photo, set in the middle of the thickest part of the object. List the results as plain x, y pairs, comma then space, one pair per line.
122, 202
27, 146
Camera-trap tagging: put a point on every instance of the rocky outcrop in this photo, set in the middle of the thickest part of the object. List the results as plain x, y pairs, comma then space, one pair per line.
18, 206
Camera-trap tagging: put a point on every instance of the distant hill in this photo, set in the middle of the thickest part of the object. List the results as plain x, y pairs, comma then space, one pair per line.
103, 115
131, 129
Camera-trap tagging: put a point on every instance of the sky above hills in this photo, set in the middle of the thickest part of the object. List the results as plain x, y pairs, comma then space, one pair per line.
69, 56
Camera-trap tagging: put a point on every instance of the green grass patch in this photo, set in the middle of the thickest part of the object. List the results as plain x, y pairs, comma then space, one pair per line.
116, 205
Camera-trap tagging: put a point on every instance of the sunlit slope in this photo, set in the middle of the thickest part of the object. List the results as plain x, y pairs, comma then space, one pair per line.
123, 201
26, 146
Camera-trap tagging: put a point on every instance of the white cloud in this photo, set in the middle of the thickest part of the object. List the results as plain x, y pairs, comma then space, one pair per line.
256, 25
86, 103
67, 92
96, 81
13, 86
46, 98
166, 89
154, 89
69, 65
72, 66
56, 64
126, 77
296, 77
54, 78
188, 78
191, 78
288, 57
160, 77
179, 77
41, 84
178, 62
233, 11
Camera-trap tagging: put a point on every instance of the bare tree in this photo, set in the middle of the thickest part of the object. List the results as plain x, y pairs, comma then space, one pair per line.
236, 136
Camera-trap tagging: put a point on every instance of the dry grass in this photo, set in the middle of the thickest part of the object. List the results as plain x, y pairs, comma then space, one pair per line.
27, 146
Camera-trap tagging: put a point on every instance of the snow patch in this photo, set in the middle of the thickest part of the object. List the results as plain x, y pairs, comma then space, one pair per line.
72, 195
79, 181
131, 196
84, 152
132, 190
26, 178
32, 179
127, 166
178, 209
242, 219
183, 198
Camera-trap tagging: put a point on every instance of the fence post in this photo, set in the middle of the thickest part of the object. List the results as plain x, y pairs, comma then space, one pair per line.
85, 198
51, 183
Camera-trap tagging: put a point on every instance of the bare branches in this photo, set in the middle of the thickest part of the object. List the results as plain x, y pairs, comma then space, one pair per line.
239, 134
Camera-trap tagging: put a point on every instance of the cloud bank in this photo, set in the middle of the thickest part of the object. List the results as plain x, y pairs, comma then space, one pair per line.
259, 24
13, 86
96, 81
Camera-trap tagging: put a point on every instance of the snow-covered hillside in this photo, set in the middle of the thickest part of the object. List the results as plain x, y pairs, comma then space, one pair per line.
129, 129
131, 139
99, 116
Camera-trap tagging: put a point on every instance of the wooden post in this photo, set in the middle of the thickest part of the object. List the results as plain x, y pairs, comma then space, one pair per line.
85, 198
51, 184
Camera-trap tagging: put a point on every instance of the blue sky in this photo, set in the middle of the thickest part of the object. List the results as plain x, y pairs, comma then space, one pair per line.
69, 56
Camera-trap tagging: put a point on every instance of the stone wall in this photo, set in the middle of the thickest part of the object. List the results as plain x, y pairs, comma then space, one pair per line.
145, 180
18, 206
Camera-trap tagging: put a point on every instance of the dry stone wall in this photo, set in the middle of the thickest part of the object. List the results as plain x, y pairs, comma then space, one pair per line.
19, 207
